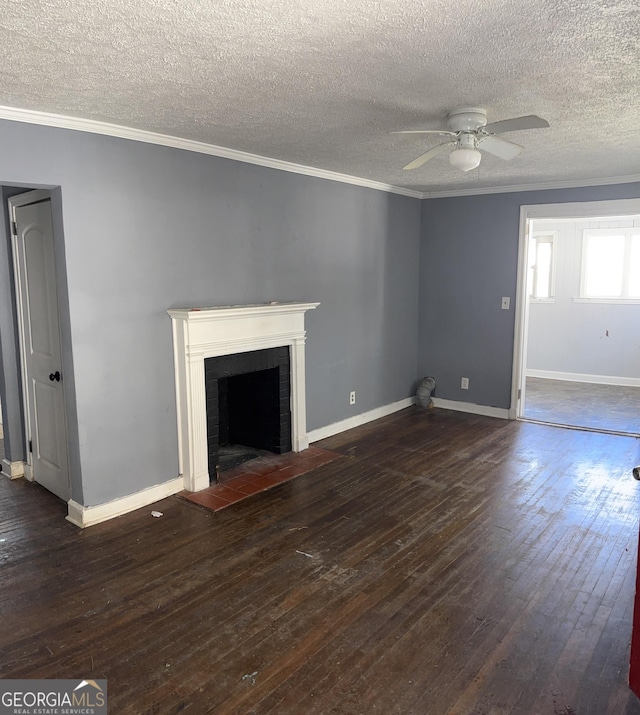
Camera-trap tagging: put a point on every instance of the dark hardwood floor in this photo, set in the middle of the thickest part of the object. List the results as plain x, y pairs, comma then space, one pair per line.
445, 564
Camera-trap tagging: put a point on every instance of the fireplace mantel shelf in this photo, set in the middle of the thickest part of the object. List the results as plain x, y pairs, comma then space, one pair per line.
200, 333
225, 312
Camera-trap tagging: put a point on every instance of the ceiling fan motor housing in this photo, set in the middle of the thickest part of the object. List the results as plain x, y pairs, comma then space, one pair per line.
467, 140
468, 119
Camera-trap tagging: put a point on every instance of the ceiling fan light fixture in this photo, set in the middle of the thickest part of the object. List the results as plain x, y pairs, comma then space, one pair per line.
467, 131
465, 159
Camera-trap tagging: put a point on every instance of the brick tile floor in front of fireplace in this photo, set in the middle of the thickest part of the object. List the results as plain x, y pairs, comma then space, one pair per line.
258, 475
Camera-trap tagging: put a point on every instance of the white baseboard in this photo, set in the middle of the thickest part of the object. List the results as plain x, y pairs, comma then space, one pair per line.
361, 419
471, 408
84, 516
13, 470
581, 377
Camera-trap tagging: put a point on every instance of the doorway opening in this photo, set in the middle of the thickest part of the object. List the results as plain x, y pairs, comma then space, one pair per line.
576, 349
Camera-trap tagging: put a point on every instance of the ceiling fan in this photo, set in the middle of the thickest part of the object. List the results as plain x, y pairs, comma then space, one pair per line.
468, 131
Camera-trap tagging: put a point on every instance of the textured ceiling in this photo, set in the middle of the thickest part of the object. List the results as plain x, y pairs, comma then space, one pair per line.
323, 82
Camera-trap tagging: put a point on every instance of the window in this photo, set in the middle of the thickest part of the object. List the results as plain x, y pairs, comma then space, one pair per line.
541, 265
610, 264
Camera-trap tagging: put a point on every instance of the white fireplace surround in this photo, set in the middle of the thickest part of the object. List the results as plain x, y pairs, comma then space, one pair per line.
200, 333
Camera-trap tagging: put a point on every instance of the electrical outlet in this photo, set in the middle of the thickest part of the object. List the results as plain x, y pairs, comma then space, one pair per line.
352, 397
464, 383
506, 303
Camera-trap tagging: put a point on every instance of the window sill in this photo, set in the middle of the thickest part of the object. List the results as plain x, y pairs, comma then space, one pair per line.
611, 301
541, 300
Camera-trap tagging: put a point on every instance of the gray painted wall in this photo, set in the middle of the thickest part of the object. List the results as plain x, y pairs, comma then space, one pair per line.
468, 261
581, 338
148, 228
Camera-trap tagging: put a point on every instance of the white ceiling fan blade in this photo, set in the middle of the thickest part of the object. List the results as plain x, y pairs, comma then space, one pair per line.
442, 132
500, 148
424, 158
515, 124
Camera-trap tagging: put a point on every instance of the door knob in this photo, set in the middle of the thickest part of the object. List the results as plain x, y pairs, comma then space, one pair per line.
55, 376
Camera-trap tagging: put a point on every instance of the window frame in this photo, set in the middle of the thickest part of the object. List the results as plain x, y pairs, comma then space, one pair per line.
552, 234
628, 232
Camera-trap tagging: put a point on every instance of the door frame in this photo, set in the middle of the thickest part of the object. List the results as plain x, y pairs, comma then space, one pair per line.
24, 199
574, 210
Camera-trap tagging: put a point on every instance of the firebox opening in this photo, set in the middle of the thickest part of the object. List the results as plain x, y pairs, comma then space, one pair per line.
248, 407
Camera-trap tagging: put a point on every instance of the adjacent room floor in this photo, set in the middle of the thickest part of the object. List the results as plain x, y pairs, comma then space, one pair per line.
579, 404
444, 564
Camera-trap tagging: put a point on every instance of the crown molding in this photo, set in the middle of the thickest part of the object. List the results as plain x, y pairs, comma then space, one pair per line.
141, 135
119, 131
543, 186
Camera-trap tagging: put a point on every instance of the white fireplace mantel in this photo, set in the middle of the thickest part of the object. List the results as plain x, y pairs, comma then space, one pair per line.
200, 333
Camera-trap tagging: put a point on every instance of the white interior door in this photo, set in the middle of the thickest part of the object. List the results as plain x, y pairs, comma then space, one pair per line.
40, 333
